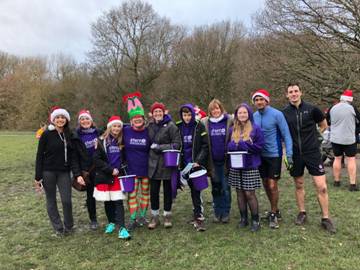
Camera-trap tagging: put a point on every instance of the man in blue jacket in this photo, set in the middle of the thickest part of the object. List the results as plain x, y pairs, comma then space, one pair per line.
276, 130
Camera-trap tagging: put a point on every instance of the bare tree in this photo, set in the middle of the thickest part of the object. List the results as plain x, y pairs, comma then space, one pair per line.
318, 40
132, 46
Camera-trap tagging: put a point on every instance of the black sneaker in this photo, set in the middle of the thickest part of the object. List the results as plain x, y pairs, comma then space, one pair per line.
255, 226
93, 225
353, 187
327, 224
243, 223
337, 183
300, 219
273, 222
278, 215
132, 225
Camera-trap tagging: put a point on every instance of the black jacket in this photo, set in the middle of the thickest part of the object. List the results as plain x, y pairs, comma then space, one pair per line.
81, 161
302, 123
51, 154
103, 170
166, 136
200, 148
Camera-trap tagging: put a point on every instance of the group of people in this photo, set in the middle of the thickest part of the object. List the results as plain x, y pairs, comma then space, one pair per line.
98, 160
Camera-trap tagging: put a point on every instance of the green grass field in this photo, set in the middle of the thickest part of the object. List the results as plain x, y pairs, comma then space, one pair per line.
27, 240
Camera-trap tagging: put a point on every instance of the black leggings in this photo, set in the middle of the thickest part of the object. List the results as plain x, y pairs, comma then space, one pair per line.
155, 191
247, 198
115, 212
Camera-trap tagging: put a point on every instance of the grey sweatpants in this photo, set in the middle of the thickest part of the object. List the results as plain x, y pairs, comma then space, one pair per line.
62, 180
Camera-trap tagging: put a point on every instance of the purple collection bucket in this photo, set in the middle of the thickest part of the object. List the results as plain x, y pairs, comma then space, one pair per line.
199, 179
127, 183
171, 158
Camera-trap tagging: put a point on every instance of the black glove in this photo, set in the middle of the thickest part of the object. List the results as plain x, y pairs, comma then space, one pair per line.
289, 163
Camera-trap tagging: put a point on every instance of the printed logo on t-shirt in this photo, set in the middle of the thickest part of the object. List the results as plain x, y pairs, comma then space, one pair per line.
218, 132
90, 144
137, 141
188, 139
114, 149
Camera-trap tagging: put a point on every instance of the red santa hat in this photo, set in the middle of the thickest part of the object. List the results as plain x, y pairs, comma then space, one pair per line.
261, 93
157, 105
56, 111
347, 95
84, 113
114, 120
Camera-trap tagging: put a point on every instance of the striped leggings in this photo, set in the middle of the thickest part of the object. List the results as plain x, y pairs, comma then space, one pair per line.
139, 198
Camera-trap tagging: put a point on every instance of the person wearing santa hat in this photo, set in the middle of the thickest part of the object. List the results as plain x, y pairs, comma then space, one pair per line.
303, 119
342, 119
52, 169
137, 147
273, 124
164, 135
108, 164
84, 138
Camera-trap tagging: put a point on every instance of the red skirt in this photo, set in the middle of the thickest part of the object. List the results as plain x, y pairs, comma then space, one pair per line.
109, 192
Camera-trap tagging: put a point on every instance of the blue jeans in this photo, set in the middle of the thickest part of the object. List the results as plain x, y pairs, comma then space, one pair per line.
221, 192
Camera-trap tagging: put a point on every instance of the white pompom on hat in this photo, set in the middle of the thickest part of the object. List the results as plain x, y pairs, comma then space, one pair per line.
114, 120
347, 95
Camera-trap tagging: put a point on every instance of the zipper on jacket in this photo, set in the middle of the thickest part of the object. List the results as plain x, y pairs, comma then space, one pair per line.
298, 125
193, 142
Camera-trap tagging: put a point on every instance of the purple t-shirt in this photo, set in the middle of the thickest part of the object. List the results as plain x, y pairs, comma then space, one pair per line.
89, 138
137, 147
187, 140
113, 153
217, 132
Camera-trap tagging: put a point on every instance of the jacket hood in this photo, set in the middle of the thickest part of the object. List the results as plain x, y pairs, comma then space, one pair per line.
248, 108
192, 110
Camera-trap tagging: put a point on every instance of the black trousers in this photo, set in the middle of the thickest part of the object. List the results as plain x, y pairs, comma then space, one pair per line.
115, 212
196, 200
61, 180
155, 193
90, 200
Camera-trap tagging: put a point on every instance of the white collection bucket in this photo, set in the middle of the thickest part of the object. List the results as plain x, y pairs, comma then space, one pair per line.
237, 159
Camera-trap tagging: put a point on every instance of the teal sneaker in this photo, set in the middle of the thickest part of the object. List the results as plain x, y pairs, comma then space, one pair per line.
124, 234
110, 228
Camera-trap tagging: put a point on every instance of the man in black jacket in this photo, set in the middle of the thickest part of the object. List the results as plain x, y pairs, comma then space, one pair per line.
194, 152
303, 119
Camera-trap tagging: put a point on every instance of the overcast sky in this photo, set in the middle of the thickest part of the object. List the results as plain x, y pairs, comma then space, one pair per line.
46, 27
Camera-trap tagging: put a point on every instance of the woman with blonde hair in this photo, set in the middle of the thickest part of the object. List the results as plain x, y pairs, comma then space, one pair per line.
217, 126
108, 162
248, 137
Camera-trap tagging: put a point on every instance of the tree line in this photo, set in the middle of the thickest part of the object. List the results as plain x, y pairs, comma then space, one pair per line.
314, 42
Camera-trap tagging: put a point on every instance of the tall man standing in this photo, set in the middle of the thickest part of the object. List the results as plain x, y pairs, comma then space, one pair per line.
343, 117
302, 119
276, 130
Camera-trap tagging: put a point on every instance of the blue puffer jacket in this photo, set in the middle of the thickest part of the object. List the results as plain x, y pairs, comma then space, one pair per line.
275, 128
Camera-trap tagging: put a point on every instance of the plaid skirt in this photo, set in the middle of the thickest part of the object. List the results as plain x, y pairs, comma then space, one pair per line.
244, 179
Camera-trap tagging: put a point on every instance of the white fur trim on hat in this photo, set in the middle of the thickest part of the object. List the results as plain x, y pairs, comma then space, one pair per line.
58, 112
261, 93
109, 124
85, 114
346, 98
